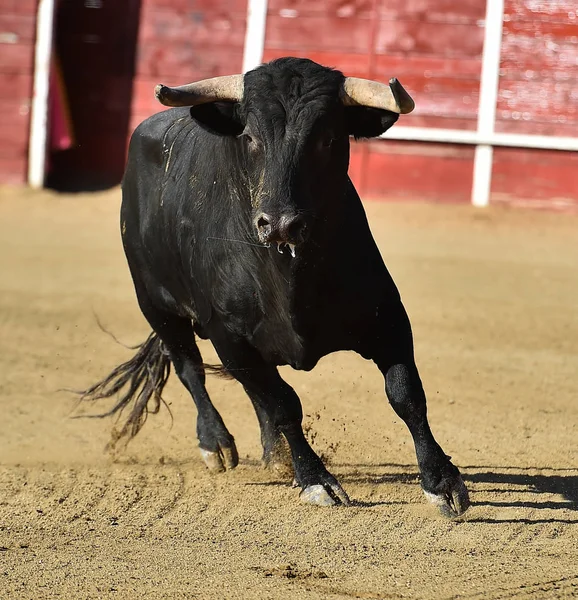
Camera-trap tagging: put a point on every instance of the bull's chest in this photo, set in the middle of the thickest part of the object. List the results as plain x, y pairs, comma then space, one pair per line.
290, 312
295, 327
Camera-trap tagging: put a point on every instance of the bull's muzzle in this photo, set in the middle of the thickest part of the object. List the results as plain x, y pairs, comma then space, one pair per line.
285, 229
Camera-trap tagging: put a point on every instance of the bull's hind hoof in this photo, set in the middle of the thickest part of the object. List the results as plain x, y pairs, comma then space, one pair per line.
279, 461
453, 501
329, 495
284, 470
223, 459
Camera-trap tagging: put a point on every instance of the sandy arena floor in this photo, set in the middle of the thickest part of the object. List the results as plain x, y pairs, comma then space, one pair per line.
493, 296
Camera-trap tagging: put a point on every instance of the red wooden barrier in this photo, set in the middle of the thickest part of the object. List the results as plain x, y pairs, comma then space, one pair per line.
433, 46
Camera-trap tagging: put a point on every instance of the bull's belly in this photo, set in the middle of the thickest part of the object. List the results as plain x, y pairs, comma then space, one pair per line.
301, 352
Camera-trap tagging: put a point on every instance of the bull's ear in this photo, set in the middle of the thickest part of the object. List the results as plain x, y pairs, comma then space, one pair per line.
364, 122
221, 118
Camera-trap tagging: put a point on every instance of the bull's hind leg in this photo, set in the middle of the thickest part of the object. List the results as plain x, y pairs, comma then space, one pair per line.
278, 401
276, 453
216, 444
440, 479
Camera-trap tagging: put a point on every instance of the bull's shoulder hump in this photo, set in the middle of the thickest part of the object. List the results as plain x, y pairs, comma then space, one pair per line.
156, 131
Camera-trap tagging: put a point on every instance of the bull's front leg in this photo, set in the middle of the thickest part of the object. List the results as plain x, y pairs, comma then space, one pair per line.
278, 404
440, 479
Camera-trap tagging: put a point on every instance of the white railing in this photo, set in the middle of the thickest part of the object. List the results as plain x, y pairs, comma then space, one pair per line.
485, 136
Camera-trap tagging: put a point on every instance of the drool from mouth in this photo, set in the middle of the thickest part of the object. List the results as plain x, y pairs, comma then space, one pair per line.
282, 245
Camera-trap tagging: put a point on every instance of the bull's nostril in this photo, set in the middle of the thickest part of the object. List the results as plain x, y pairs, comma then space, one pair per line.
296, 227
262, 222
264, 227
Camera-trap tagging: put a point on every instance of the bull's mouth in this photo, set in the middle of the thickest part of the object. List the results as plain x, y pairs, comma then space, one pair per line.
282, 246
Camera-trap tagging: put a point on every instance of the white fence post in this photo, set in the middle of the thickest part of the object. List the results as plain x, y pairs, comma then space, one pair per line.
39, 119
490, 79
255, 34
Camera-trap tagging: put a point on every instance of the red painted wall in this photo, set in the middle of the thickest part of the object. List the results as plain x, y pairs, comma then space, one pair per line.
434, 47
17, 33
538, 94
182, 41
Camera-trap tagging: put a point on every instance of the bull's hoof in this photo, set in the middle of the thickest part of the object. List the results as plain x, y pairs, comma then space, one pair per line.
453, 500
284, 470
225, 458
330, 494
279, 461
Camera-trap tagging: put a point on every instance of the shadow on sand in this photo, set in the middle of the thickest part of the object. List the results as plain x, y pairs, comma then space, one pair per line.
515, 483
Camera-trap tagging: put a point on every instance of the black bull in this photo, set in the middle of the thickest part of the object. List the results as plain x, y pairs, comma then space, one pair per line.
240, 225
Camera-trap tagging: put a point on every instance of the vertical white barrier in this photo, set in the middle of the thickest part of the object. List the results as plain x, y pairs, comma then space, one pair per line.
39, 118
255, 34
489, 83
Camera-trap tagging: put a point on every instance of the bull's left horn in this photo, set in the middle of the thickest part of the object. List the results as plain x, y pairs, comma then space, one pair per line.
228, 88
364, 92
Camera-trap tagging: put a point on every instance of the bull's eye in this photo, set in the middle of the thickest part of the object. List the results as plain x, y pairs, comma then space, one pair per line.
326, 142
250, 140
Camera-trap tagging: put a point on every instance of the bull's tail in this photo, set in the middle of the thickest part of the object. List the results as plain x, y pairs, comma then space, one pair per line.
140, 382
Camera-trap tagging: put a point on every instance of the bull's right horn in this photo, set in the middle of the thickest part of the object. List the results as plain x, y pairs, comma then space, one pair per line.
228, 88
364, 92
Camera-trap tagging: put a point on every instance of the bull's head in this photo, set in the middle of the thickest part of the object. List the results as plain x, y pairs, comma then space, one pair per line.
293, 119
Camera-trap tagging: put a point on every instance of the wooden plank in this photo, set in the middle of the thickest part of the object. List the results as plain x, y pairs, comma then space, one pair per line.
20, 27
16, 58
419, 171
418, 119
13, 135
538, 100
449, 11
196, 28
13, 170
428, 66
19, 7
539, 68
202, 6
539, 54
438, 11
533, 127
304, 8
347, 35
352, 35
544, 178
552, 31
183, 61
540, 10
412, 38
532, 62
15, 87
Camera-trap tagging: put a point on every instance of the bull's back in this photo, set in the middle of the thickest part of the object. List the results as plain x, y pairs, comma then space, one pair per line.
149, 147
178, 197
152, 185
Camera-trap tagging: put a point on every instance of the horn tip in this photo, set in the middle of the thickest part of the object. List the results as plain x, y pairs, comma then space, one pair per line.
159, 90
403, 99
